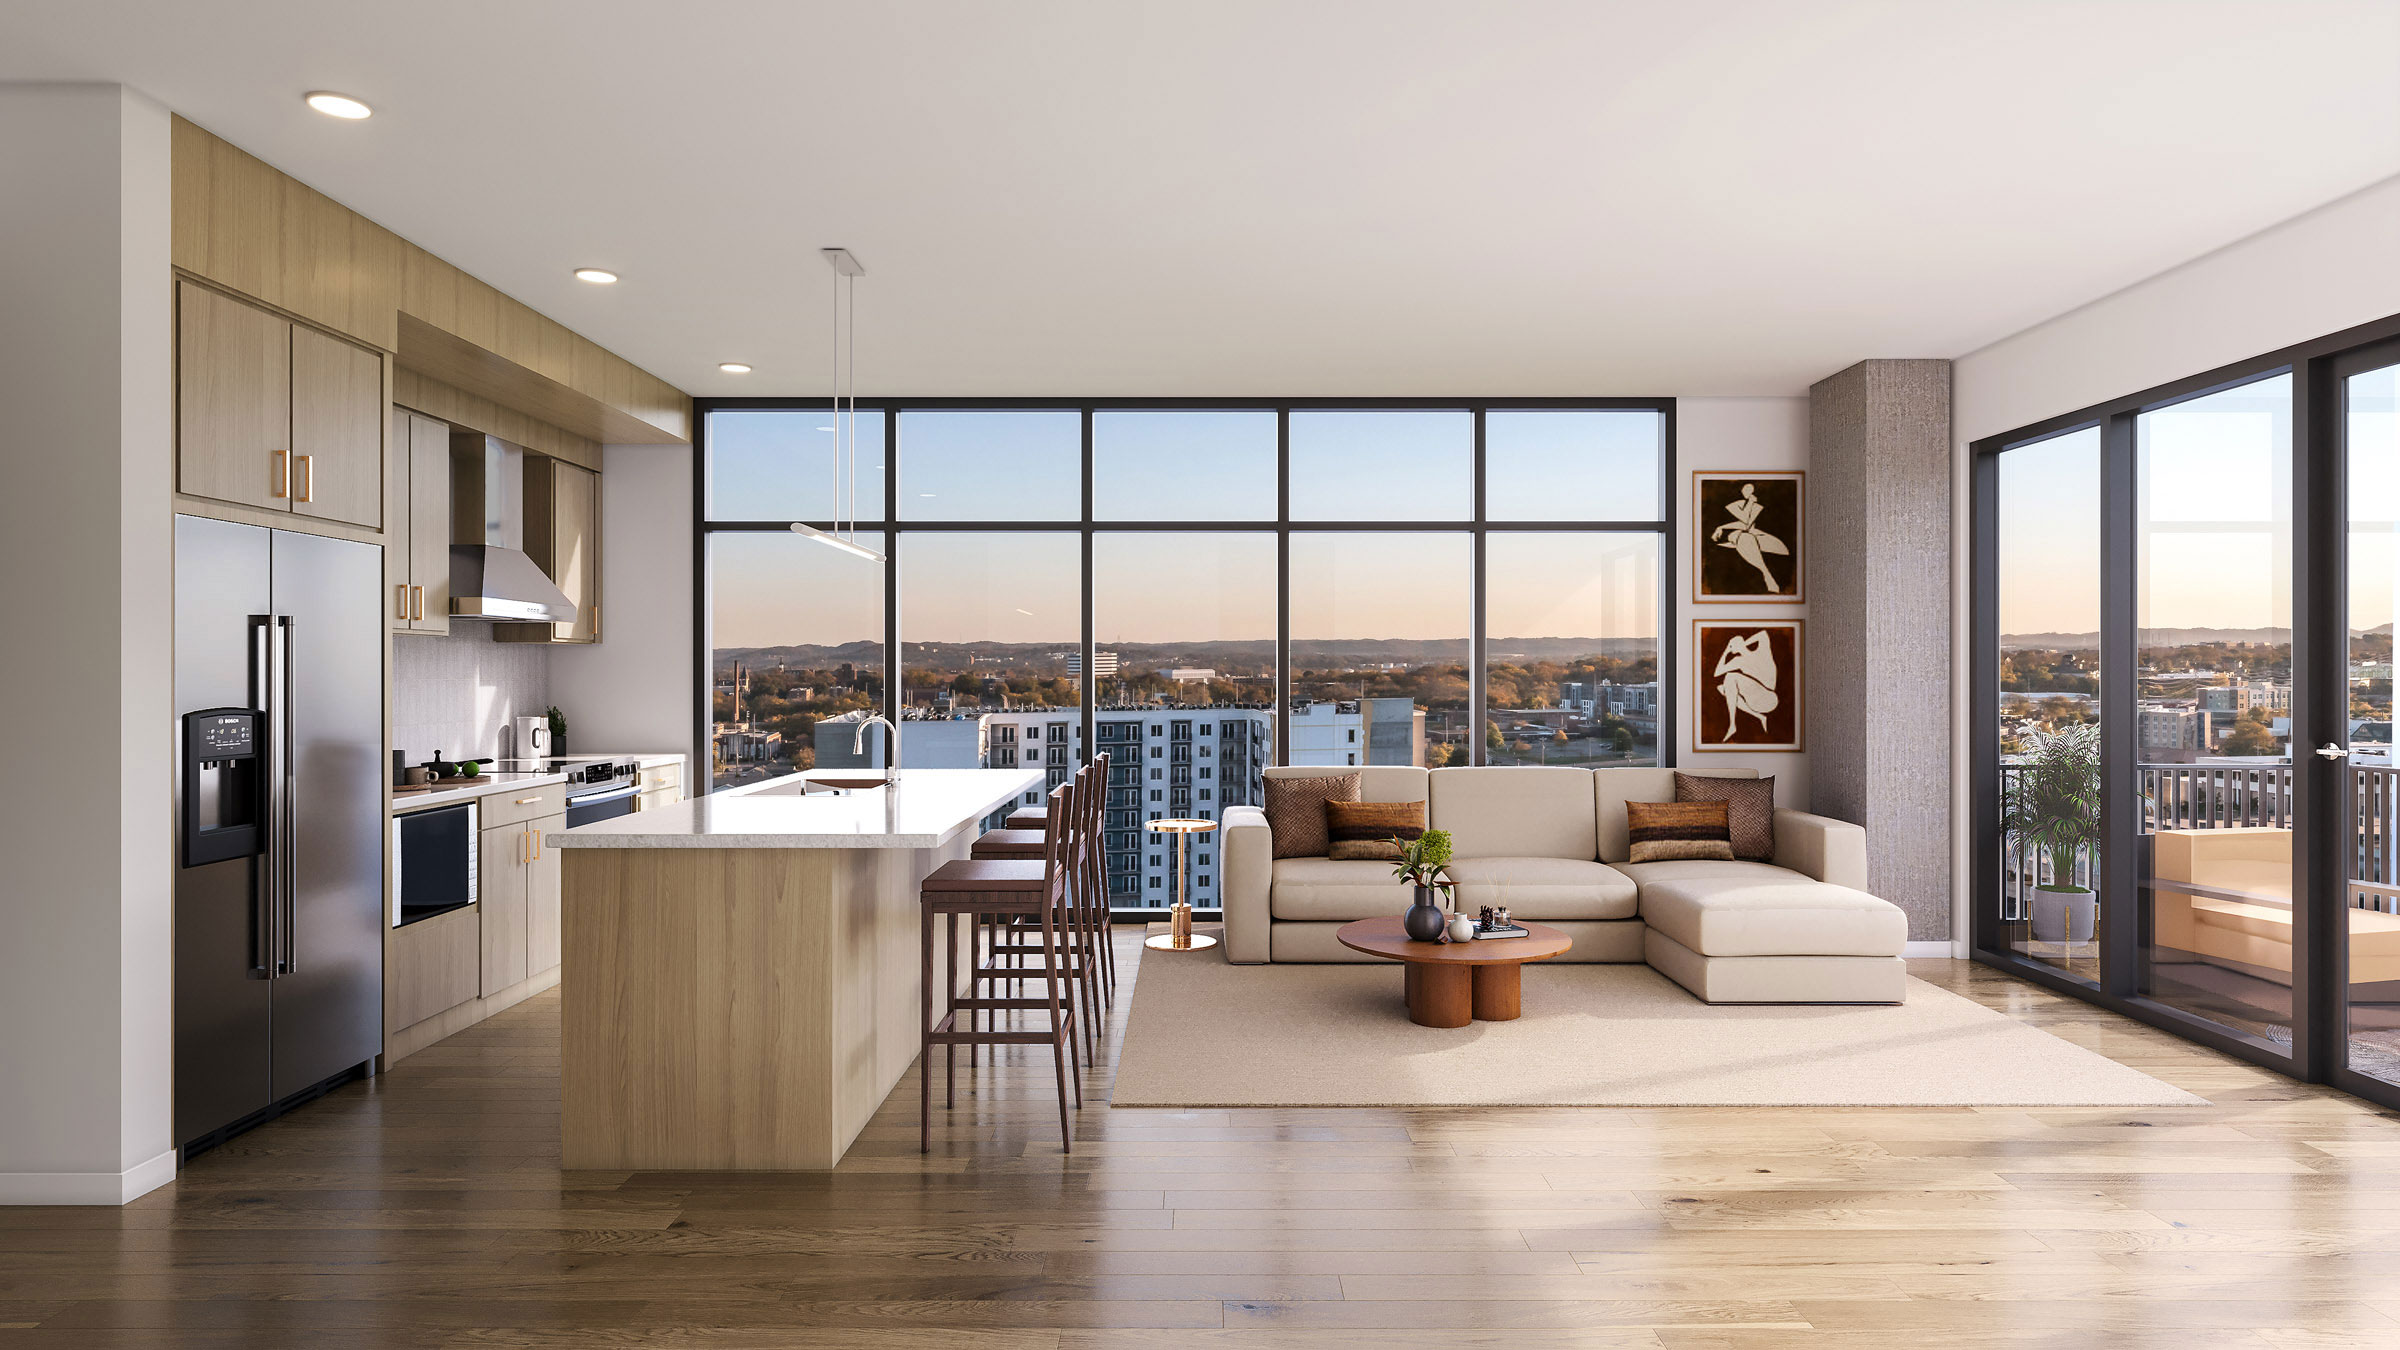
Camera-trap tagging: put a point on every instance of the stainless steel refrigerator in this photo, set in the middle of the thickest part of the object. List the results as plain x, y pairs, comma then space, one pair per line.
281, 800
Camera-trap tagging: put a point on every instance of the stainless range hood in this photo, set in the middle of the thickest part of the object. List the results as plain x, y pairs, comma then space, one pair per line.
490, 576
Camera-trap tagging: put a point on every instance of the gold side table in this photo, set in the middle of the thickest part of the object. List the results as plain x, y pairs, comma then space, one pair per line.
1179, 936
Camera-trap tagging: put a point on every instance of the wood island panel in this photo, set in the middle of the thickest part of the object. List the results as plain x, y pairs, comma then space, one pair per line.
735, 1009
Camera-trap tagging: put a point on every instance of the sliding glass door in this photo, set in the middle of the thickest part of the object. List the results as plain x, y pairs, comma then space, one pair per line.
2369, 932
2186, 802
2212, 787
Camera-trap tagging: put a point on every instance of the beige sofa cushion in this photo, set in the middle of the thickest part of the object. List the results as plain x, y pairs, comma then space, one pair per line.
1748, 916
1612, 788
1544, 889
1705, 869
1327, 888
1514, 812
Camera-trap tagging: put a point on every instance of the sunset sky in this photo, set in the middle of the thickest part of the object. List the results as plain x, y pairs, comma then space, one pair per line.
1178, 466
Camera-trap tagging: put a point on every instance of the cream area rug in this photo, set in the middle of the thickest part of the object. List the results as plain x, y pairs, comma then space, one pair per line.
1203, 1033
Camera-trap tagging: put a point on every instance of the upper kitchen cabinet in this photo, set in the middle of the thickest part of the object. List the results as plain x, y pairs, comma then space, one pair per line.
233, 400
416, 549
337, 429
562, 536
274, 414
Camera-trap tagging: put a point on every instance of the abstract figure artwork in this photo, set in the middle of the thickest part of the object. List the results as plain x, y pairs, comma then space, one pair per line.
1747, 537
1749, 685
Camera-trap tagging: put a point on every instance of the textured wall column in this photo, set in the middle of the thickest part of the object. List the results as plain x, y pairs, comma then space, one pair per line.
1878, 643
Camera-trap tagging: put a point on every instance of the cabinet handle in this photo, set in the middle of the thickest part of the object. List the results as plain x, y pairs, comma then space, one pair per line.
416, 602
527, 801
537, 845
595, 621
520, 846
400, 598
308, 477
282, 477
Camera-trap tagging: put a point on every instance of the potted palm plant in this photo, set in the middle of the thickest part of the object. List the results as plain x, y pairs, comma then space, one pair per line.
2050, 802
1424, 863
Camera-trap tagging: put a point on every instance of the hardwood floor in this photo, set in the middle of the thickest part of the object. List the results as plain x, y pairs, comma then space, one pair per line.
427, 1209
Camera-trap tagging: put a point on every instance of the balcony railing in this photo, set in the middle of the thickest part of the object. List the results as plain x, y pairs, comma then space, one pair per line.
2228, 796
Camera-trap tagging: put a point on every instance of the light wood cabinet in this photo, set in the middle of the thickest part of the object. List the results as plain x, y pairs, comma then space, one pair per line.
337, 429
433, 966
502, 894
562, 536
417, 551
274, 414
233, 399
545, 889
519, 891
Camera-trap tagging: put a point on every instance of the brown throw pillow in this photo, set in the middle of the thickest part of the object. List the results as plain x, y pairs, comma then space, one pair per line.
1668, 831
1749, 810
1296, 811
1371, 831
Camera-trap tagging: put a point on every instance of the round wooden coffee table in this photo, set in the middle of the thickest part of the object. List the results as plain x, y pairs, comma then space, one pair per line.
1451, 983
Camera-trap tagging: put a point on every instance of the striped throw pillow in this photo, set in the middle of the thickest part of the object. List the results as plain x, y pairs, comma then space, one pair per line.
1667, 831
1371, 831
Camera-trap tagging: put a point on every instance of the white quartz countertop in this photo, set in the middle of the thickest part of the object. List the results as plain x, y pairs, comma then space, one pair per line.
404, 802
926, 808
501, 780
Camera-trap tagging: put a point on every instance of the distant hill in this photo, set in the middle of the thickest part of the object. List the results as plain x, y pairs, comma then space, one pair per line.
2165, 637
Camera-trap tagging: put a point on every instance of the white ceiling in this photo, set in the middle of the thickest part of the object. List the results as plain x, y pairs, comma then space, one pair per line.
1262, 197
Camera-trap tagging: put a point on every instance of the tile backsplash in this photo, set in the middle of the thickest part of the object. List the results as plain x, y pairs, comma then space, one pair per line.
460, 694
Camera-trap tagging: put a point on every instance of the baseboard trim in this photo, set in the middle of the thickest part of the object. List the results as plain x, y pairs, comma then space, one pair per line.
87, 1188
1926, 951
441, 1026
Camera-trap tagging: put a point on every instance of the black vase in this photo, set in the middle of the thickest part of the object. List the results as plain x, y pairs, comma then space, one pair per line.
1424, 920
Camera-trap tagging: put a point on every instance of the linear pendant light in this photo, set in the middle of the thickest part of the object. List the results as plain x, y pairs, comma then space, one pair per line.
847, 271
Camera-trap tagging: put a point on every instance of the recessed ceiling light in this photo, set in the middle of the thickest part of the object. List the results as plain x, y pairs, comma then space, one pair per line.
339, 105
598, 276
733, 367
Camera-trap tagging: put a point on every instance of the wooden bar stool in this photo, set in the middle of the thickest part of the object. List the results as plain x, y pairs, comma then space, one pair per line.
973, 888
1028, 818
1091, 882
1013, 939
1022, 845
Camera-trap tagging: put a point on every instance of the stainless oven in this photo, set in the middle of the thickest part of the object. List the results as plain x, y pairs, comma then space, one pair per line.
433, 862
602, 801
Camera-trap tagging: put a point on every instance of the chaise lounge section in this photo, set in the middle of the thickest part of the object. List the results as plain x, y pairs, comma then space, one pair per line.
1551, 844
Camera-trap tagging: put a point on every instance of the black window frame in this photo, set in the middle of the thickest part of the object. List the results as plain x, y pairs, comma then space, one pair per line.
1477, 526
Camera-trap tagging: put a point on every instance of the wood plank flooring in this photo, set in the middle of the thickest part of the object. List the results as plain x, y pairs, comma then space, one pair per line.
426, 1209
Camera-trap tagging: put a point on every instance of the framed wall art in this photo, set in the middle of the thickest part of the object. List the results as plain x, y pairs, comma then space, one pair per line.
1746, 684
1746, 537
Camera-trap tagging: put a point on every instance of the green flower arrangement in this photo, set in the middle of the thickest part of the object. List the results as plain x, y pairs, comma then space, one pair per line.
1424, 860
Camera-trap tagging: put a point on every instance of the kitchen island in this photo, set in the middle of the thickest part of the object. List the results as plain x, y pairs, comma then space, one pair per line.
740, 970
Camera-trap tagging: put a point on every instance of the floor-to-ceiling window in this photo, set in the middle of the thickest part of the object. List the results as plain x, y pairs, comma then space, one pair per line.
2182, 679
1199, 591
2047, 573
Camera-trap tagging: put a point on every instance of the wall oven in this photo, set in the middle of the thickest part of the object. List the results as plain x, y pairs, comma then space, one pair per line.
605, 800
433, 862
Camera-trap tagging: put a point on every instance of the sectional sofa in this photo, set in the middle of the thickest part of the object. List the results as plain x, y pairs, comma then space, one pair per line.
1550, 844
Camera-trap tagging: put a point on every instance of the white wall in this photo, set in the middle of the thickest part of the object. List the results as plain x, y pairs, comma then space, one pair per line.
1713, 434
2334, 268
633, 691
86, 537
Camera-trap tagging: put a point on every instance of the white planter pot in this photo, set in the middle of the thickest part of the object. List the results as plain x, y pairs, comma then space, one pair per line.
2064, 913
